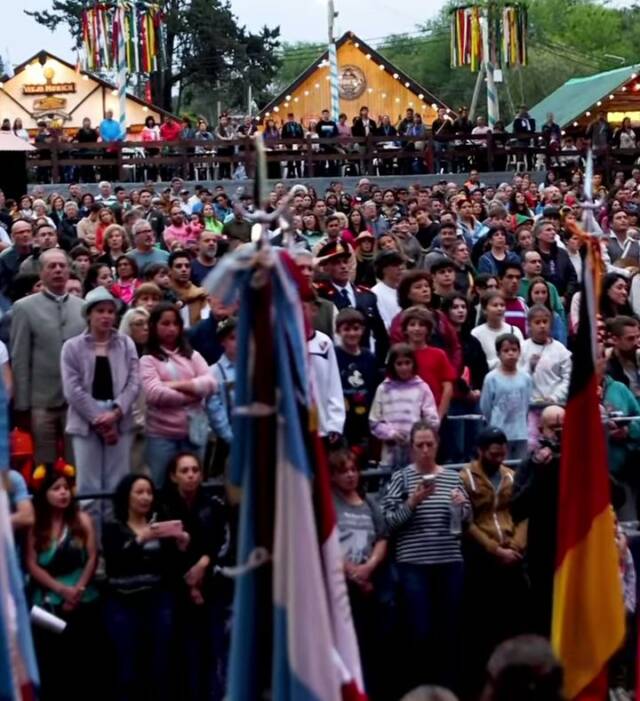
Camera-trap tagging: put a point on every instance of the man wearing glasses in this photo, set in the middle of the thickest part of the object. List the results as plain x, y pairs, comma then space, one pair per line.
144, 253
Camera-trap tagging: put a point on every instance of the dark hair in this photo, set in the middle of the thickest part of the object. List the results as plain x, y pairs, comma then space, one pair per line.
178, 254
350, 316
22, 285
350, 225
386, 259
131, 261
407, 282
512, 265
152, 270
539, 309
446, 303
153, 345
490, 435
607, 308
617, 325
78, 251
91, 281
400, 350
172, 467
42, 509
539, 281
123, 492
483, 278
506, 338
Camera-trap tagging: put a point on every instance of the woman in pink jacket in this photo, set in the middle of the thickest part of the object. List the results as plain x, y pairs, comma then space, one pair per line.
175, 382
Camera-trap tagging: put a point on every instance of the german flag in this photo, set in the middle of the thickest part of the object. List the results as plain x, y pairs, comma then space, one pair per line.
588, 622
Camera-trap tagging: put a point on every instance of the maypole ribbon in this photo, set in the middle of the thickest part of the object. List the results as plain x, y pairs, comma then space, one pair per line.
137, 26
506, 30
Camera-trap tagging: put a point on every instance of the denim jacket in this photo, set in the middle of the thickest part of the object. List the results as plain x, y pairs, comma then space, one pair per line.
220, 404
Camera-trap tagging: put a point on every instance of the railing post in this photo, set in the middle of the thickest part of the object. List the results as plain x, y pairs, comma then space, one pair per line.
430, 152
55, 166
309, 157
490, 144
120, 164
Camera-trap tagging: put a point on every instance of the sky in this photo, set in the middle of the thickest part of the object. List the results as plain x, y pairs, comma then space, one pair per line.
21, 36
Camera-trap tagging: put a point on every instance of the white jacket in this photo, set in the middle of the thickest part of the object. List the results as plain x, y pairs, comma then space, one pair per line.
549, 367
326, 384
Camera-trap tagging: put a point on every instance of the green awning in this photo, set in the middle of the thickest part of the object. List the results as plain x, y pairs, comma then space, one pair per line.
577, 95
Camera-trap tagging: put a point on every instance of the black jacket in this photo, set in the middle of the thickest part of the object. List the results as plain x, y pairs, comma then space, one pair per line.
523, 126
367, 304
616, 371
292, 130
558, 269
358, 127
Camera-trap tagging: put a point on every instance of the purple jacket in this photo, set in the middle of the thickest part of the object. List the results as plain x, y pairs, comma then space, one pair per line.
78, 364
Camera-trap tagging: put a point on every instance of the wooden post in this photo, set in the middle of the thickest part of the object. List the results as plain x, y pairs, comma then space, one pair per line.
120, 162
55, 166
309, 157
490, 144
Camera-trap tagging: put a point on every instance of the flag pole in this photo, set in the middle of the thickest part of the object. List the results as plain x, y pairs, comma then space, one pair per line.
122, 73
333, 63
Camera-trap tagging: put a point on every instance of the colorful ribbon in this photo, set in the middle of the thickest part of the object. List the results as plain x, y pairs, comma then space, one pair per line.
141, 26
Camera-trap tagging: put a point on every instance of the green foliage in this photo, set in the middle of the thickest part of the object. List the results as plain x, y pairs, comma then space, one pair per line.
206, 48
566, 39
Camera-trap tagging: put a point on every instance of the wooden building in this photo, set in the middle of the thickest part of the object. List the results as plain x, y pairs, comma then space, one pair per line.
365, 78
47, 88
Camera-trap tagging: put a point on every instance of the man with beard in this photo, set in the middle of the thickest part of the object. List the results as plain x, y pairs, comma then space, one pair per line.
206, 259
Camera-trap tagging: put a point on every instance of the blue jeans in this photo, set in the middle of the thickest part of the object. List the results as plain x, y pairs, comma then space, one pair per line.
140, 627
431, 600
160, 451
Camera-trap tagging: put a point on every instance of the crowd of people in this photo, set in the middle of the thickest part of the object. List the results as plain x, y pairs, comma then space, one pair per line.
452, 142
441, 343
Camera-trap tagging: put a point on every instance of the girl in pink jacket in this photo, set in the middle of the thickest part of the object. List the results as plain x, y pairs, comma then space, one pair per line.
175, 382
401, 400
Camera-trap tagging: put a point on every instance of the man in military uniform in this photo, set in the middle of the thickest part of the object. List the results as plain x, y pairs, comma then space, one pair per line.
335, 259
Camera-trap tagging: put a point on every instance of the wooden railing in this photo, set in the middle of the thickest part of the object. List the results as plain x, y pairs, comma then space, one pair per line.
311, 157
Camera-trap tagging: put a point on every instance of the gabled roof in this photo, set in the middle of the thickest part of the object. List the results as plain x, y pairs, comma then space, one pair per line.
414, 86
104, 83
577, 95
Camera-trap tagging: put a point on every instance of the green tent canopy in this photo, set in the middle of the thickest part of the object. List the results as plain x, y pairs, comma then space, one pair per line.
571, 100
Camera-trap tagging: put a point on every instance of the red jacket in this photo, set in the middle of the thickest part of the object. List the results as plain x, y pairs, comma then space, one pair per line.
170, 131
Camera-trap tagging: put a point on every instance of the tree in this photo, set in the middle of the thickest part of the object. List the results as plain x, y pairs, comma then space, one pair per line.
204, 48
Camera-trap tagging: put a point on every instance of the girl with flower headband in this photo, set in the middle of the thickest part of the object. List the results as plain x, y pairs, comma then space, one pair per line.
61, 560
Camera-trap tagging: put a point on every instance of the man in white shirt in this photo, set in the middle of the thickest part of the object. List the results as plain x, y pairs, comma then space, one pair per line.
389, 266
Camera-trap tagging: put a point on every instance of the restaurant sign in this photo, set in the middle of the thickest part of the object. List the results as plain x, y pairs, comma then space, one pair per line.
48, 88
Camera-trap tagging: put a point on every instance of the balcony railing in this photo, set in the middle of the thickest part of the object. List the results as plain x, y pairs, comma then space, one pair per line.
310, 157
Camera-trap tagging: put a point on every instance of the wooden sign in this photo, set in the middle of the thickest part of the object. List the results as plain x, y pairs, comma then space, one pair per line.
48, 88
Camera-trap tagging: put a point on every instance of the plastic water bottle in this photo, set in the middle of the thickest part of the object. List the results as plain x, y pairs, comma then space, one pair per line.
455, 517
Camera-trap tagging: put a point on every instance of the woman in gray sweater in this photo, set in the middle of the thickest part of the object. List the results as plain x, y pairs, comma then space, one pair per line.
101, 382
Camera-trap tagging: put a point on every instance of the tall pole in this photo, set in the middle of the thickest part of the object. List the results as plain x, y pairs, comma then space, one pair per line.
476, 93
333, 63
122, 73
488, 44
